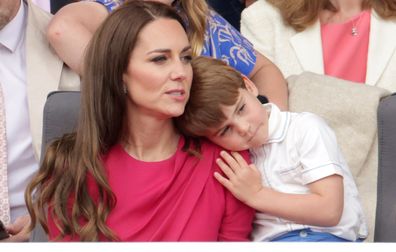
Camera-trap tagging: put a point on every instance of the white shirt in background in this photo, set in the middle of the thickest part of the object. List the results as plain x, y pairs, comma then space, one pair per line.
44, 4
22, 163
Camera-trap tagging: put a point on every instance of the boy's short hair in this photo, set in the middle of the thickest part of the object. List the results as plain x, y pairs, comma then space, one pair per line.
214, 84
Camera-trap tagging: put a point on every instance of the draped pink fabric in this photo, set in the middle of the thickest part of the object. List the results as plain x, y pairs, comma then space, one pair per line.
177, 199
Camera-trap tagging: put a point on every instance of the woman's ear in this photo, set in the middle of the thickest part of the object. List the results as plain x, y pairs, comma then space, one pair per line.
250, 86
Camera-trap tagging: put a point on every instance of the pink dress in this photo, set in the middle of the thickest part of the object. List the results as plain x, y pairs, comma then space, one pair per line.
176, 199
344, 50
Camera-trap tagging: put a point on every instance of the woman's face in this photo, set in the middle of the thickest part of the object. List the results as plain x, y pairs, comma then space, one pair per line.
159, 74
167, 2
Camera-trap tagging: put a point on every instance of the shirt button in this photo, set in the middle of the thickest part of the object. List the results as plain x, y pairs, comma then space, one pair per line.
303, 233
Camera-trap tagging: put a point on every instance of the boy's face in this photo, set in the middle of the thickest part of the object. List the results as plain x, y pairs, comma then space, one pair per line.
246, 125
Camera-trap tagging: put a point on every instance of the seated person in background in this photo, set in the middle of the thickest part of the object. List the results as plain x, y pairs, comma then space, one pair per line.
350, 40
127, 174
209, 33
57, 4
29, 70
299, 183
229, 10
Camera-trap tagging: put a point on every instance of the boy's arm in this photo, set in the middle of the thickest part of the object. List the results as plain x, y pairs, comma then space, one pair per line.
322, 207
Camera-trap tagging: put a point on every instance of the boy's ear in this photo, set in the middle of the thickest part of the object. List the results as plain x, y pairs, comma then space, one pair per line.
250, 86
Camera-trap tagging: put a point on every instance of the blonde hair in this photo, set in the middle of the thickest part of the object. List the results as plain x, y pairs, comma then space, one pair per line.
301, 14
197, 12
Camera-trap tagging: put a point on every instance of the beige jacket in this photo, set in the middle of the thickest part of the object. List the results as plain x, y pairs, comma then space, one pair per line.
295, 52
45, 71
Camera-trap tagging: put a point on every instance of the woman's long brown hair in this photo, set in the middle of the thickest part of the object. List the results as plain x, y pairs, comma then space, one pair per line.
300, 14
60, 187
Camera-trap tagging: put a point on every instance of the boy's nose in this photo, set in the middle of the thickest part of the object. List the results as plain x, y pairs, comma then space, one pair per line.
243, 128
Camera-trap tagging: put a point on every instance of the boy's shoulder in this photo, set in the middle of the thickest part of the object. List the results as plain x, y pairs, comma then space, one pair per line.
309, 127
307, 119
304, 124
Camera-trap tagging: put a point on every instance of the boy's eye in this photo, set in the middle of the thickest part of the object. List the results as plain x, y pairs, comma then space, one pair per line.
241, 108
225, 130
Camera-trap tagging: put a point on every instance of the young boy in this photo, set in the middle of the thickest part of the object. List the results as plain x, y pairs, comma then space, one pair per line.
299, 183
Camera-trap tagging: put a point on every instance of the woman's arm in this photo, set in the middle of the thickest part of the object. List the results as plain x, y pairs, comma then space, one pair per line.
323, 206
71, 29
270, 81
228, 44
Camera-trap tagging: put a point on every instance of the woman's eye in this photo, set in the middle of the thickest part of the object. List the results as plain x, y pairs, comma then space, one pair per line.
187, 58
159, 59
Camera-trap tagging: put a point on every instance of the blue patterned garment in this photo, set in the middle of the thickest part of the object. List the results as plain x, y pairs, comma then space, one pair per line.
222, 41
109, 4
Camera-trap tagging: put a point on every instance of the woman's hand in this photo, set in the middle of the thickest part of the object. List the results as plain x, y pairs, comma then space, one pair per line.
19, 230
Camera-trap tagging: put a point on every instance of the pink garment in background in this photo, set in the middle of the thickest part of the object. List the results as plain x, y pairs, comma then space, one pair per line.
44, 4
345, 55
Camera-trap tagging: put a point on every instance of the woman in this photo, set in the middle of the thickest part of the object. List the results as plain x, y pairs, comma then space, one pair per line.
209, 33
352, 40
125, 174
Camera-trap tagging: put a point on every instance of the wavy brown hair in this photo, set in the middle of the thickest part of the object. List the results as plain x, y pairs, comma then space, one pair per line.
215, 84
300, 14
60, 187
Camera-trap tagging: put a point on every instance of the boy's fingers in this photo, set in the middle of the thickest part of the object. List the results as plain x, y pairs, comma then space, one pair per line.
222, 180
225, 168
239, 159
231, 162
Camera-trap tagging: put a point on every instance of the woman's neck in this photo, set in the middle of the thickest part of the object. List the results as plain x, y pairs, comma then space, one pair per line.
150, 139
347, 5
346, 9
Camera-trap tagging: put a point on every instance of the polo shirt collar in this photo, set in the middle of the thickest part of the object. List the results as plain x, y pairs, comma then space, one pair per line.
278, 123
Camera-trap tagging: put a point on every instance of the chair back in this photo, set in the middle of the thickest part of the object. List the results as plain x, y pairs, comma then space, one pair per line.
385, 223
60, 117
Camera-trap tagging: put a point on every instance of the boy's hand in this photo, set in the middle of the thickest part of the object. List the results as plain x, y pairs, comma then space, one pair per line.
243, 180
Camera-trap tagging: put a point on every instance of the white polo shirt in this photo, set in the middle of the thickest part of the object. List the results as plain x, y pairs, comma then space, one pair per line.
302, 149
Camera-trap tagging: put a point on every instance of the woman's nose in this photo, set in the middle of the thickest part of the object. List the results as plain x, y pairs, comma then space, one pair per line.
180, 70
